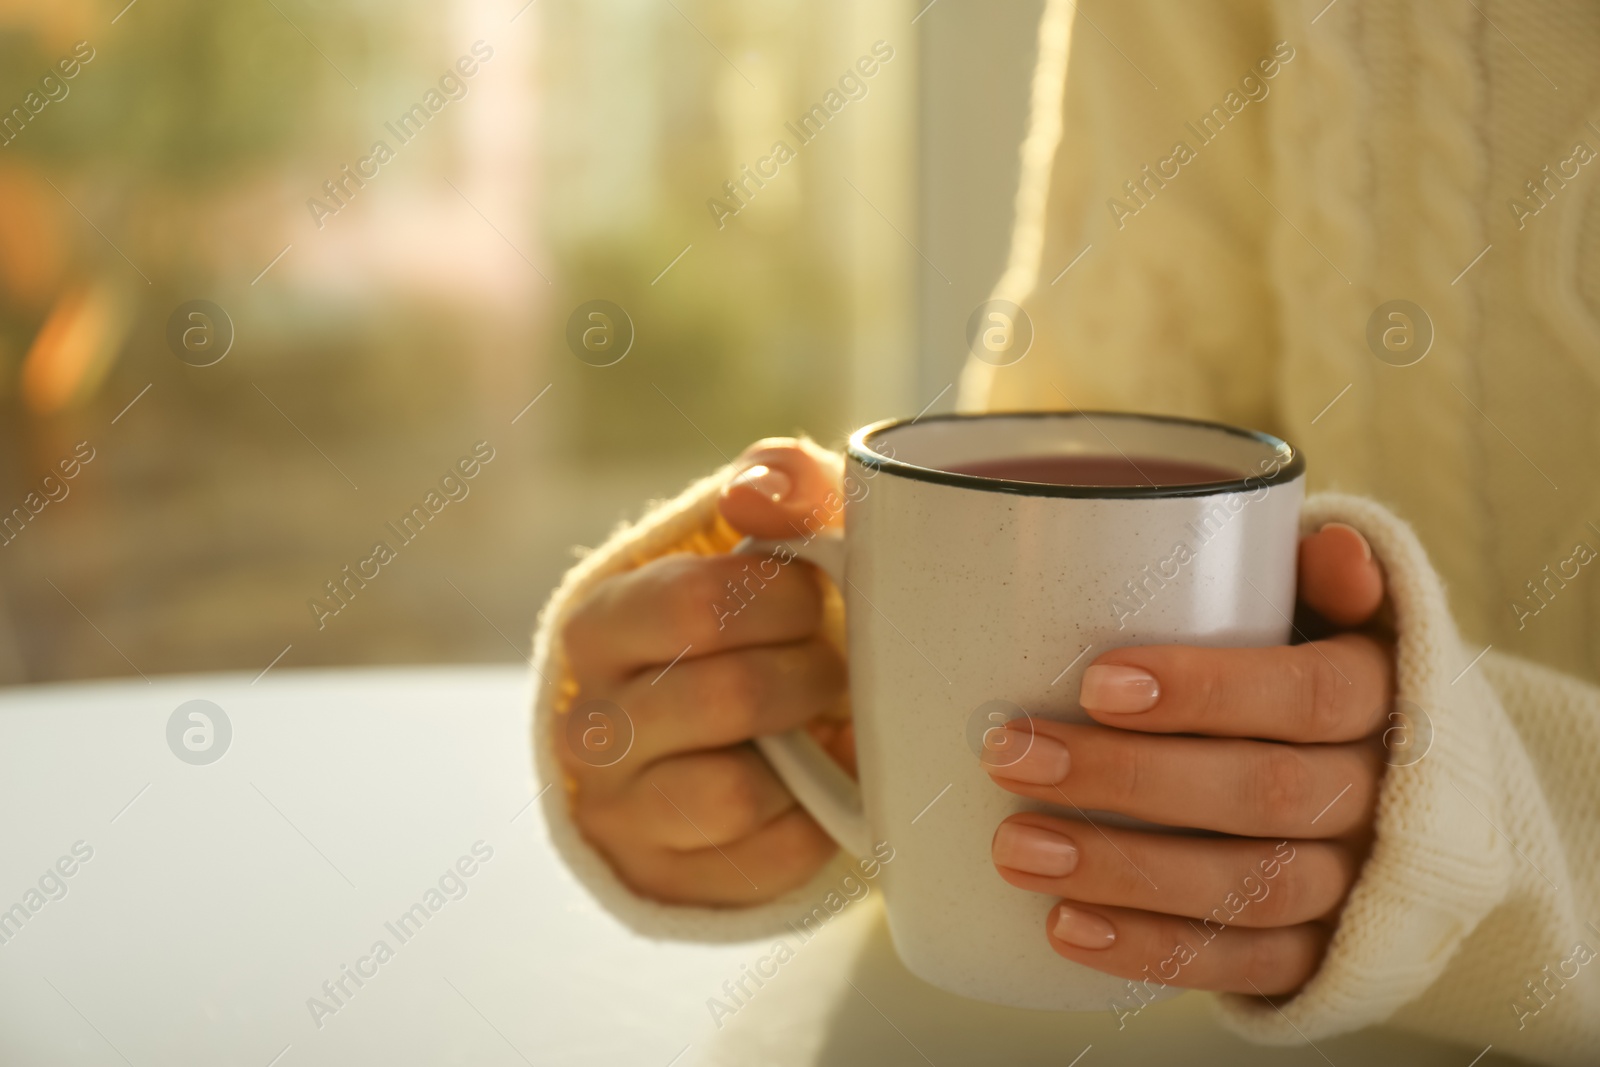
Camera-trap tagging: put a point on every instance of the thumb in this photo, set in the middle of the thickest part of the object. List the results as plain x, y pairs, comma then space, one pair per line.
783, 488
1339, 579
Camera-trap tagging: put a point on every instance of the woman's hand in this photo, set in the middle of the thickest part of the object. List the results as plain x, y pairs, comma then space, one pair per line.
692, 814
1276, 748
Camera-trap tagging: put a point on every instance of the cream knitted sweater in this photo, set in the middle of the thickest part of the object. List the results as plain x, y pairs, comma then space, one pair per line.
1430, 150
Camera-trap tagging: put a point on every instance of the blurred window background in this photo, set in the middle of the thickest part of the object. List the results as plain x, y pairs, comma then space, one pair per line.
282, 281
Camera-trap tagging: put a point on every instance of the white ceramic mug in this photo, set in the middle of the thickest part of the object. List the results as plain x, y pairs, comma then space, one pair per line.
967, 596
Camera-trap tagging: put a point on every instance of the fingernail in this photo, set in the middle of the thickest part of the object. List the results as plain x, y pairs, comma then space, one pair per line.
1083, 929
1028, 758
1366, 548
1111, 687
768, 481
1033, 850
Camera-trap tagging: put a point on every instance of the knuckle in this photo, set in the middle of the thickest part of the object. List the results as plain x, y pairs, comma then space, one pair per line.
1318, 692
693, 587
831, 677
579, 630
560, 740
1125, 766
798, 848
1123, 870
1269, 960
593, 734
730, 697
1281, 785
656, 874
562, 748
815, 666
733, 795
1204, 679
595, 827
1285, 896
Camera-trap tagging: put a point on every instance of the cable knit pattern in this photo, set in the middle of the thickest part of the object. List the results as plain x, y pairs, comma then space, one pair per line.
1323, 260
1476, 918
1444, 235
1554, 280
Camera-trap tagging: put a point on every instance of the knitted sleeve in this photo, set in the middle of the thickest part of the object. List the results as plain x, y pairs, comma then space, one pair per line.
688, 523
1144, 220
1475, 917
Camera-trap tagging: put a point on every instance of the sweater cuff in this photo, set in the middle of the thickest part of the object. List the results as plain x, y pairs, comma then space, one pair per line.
687, 523
1437, 865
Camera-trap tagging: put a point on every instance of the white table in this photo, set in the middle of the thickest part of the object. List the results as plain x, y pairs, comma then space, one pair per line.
220, 897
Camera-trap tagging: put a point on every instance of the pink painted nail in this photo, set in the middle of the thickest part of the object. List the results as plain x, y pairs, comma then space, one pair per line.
1114, 688
768, 481
1083, 929
1033, 850
1028, 758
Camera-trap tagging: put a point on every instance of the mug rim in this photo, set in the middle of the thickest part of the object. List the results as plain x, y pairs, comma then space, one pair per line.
858, 450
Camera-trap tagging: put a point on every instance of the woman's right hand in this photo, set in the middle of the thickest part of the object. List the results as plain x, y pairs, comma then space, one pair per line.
692, 814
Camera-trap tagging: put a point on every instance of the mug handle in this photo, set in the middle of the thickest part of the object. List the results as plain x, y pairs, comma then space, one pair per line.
823, 788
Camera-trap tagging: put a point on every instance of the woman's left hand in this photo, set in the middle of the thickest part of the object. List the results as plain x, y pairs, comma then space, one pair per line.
1277, 748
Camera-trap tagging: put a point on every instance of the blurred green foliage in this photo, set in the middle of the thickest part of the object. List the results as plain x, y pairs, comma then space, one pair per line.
745, 336
186, 93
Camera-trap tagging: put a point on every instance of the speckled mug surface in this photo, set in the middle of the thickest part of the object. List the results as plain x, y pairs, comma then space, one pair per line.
973, 600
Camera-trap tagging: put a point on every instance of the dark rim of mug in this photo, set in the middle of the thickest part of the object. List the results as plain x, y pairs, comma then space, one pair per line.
860, 451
